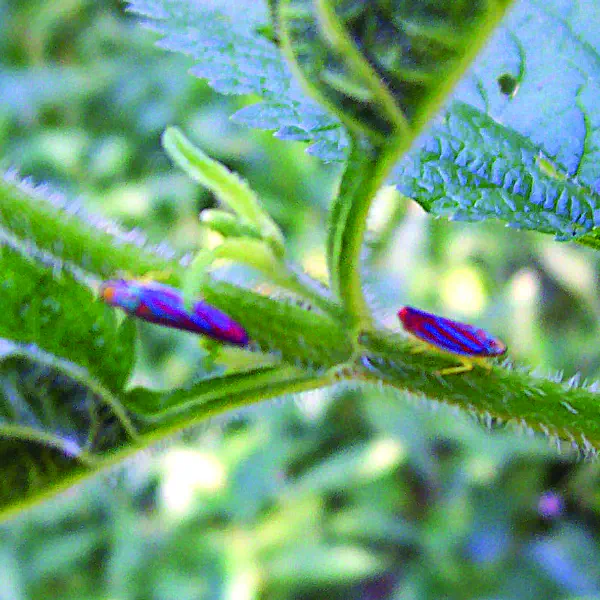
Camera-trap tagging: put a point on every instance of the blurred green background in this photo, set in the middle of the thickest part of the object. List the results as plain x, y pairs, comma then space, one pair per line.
345, 493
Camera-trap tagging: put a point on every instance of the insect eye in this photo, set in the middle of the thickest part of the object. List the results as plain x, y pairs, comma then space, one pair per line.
107, 293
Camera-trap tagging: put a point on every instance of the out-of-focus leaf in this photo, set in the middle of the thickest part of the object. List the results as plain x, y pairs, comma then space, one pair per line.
360, 464
324, 565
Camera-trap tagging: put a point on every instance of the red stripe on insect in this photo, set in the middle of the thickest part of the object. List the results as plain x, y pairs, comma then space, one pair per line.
466, 341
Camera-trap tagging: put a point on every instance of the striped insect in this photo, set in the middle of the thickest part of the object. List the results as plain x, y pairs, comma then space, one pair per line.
468, 343
162, 304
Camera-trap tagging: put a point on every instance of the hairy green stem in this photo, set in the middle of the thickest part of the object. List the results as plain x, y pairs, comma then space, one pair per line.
45, 222
567, 411
368, 168
207, 398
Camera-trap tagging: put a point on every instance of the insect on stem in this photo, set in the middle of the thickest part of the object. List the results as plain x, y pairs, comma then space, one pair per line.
161, 304
469, 344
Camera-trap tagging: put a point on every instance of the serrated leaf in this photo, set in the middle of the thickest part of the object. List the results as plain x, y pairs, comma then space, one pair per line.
554, 101
552, 116
473, 168
235, 58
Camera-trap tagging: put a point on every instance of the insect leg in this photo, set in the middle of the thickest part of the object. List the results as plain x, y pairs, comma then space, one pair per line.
466, 365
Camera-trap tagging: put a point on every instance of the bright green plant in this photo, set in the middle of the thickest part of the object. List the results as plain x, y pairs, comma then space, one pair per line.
382, 70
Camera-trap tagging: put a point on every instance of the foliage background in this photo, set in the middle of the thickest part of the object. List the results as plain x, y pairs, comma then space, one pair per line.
356, 492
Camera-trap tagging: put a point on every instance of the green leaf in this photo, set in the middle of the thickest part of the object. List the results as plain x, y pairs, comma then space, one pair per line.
230, 189
383, 68
55, 403
227, 224
45, 306
472, 168
236, 58
225, 40
553, 89
529, 158
554, 103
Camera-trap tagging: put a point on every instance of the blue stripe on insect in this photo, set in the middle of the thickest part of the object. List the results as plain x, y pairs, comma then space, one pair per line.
163, 305
468, 342
453, 336
432, 335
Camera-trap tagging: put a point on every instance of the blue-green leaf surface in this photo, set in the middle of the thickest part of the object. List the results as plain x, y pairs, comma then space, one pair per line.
236, 58
473, 168
538, 78
529, 157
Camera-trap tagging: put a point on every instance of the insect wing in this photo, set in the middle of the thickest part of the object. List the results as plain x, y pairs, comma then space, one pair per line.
452, 336
222, 326
164, 305
166, 309
442, 333
162, 291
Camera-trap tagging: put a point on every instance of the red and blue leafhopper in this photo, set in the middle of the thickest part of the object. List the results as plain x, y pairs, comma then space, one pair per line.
162, 304
469, 343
